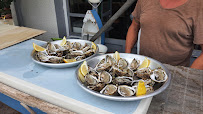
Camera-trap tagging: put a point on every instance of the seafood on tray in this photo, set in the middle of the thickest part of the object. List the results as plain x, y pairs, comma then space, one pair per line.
65, 52
118, 77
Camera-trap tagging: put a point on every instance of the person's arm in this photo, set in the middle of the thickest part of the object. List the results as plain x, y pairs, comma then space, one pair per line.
198, 63
132, 36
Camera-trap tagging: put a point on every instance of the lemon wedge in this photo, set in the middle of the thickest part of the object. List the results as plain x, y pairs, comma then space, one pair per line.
37, 47
63, 41
84, 68
94, 46
145, 63
116, 55
69, 60
141, 89
81, 76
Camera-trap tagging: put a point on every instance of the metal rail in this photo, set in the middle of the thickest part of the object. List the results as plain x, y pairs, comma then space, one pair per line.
127, 4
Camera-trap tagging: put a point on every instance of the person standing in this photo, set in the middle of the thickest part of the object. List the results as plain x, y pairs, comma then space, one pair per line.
170, 28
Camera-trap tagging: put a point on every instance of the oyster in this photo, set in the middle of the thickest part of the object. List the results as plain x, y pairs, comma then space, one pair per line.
135, 82
159, 75
122, 63
93, 72
42, 56
55, 59
103, 65
76, 45
86, 48
123, 80
55, 53
91, 80
148, 82
89, 52
109, 90
143, 73
119, 72
76, 52
134, 64
59, 48
125, 90
130, 73
105, 77
51, 48
78, 58
98, 87
149, 89
110, 60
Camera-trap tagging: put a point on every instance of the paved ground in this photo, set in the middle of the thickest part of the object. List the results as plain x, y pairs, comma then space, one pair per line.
4, 109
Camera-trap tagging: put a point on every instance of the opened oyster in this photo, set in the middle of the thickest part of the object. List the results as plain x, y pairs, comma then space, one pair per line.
73, 51
120, 77
125, 90
159, 75
109, 90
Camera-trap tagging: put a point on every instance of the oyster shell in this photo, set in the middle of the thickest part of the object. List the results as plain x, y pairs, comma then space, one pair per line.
149, 89
55, 59
143, 73
42, 56
148, 82
122, 63
123, 80
159, 75
125, 90
86, 48
51, 48
110, 60
76, 52
103, 65
78, 58
134, 64
89, 52
130, 73
76, 45
93, 72
98, 87
91, 80
109, 90
105, 77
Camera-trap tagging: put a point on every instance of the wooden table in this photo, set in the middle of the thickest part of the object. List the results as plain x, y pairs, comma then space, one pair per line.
10, 35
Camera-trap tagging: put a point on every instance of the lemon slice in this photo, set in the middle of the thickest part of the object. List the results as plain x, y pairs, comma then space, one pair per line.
37, 47
141, 89
81, 76
63, 41
145, 63
94, 46
116, 55
84, 68
69, 60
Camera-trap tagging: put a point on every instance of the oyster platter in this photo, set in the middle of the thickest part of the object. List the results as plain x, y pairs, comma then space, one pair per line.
123, 77
64, 53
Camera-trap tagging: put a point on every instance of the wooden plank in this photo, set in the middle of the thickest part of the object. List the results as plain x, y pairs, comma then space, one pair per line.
10, 35
32, 101
6, 28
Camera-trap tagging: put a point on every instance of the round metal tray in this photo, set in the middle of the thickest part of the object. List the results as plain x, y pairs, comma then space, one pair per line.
159, 87
64, 65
